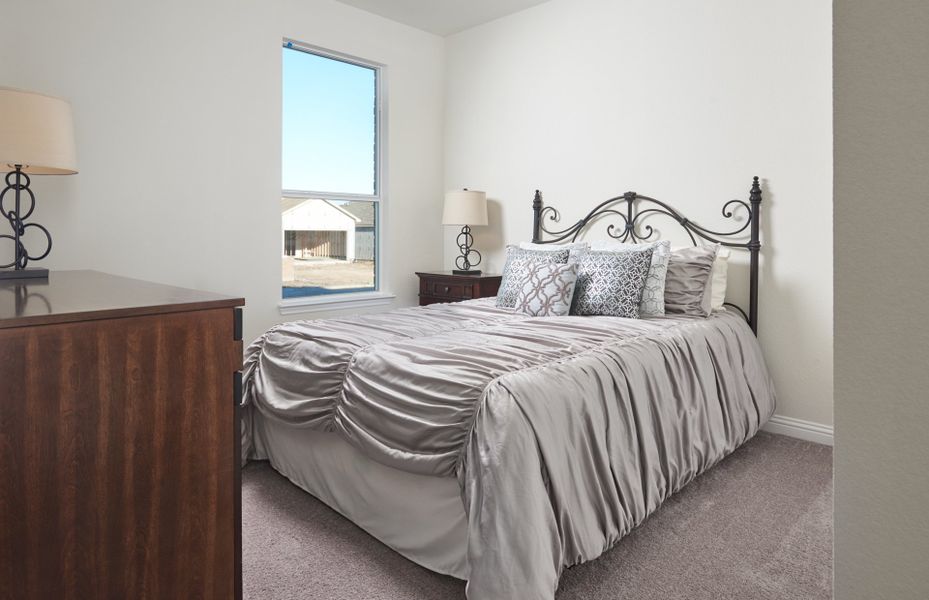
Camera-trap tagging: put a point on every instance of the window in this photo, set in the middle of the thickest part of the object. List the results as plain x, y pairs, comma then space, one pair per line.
331, 190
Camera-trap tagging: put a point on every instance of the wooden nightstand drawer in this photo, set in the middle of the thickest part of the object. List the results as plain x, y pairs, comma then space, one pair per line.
445, 286
446, 289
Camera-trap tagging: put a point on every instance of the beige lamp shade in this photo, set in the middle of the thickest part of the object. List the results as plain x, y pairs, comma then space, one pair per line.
465, 207
36, 131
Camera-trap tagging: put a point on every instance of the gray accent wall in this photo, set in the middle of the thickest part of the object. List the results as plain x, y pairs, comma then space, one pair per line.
881, 61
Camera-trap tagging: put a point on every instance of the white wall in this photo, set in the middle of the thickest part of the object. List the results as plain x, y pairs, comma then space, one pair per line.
684, 101
882, 334
177, 108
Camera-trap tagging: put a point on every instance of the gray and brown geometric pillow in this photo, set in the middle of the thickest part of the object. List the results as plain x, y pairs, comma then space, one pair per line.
547, 290
518, 262
611, 283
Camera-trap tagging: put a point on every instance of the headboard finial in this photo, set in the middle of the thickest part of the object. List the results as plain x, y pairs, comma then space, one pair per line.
537, 217
754, 194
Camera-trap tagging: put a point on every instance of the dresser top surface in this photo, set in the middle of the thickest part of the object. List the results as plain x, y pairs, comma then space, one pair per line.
68, 296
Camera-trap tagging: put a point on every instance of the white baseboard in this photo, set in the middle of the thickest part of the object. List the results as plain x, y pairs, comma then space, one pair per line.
798, 428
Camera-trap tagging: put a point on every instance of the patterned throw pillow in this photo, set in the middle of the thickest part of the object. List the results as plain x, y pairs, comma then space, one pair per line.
516, 268
547, 290
574, 248
611, 283
652, 303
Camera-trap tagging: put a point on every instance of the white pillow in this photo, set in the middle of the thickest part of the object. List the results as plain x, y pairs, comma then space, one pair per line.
718, 278
575, 249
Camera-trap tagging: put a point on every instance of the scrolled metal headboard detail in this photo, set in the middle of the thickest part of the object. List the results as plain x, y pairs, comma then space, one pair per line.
632, 229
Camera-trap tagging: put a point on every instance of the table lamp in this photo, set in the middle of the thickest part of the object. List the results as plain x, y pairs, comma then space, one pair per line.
466, 208
36, 138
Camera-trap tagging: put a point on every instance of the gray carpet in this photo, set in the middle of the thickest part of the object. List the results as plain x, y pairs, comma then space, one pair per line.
757, 526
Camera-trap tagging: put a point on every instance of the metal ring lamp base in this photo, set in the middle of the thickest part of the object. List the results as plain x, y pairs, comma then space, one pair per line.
18, 183
465, 261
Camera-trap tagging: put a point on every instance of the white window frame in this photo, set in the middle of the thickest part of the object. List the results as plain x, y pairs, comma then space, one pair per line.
380, 295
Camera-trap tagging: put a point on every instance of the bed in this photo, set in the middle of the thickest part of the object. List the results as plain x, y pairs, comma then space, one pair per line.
500, 448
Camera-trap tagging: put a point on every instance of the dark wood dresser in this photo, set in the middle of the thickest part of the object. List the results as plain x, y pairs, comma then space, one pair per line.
445, 286
119, 440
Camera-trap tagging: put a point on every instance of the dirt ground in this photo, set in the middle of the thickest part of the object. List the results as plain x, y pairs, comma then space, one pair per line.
331, 274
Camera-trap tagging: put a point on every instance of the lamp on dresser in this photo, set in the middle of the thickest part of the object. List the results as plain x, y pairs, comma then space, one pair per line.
36, 138
466, 208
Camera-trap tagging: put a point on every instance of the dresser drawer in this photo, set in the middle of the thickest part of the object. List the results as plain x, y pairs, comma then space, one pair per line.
447, 289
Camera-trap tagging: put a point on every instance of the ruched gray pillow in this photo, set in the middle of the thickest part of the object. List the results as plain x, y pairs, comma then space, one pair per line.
688, 281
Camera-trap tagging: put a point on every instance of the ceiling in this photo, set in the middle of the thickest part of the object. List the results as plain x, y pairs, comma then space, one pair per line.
443, 17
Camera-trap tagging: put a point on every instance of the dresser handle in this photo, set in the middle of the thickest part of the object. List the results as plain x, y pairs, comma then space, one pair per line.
237, 390
237, 325
445, 290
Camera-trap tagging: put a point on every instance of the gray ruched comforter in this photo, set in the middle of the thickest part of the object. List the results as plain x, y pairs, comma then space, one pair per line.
564, 432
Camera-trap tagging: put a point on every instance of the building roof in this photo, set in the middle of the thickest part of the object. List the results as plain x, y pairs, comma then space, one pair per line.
289, 203
292, 203
363, 210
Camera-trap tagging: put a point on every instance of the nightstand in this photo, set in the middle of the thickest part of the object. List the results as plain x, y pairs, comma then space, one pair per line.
445, 286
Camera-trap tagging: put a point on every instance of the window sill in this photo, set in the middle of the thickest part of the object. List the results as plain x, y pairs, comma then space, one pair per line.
294, 306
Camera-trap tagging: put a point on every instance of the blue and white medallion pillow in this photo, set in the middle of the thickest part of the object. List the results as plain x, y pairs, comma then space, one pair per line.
652, 303
516, 267
547, 290
611, 283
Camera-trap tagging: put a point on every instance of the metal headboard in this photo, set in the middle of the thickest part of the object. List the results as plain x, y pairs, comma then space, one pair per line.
631, 230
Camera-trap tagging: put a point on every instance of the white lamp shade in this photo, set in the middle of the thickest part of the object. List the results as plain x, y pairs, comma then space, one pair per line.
465, 207
36, 131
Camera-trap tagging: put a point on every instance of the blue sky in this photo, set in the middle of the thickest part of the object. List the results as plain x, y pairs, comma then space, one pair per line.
328, 126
